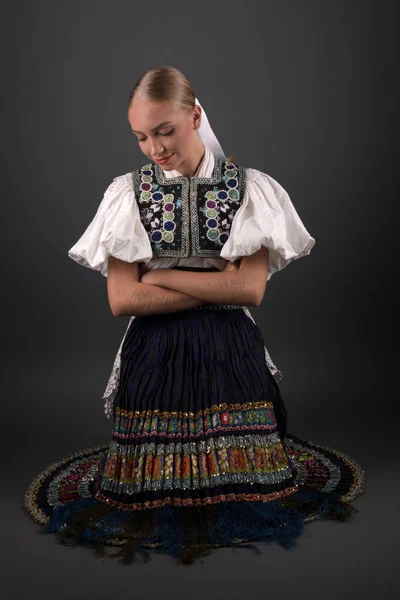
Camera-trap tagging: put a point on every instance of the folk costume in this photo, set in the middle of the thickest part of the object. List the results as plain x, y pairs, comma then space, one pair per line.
199, 456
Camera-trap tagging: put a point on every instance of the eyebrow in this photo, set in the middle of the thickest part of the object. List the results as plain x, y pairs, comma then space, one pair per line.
154, 128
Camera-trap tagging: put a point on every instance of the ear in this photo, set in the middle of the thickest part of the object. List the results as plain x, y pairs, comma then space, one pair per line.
197, 114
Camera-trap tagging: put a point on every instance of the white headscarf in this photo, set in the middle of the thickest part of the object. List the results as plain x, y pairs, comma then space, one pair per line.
208, 137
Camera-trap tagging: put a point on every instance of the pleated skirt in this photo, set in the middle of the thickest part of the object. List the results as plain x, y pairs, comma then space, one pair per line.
199, 455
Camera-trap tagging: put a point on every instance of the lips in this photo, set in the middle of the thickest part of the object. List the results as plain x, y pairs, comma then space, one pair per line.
162, 161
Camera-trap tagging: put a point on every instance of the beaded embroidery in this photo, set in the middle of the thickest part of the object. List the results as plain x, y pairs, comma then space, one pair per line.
188, 216
75, 477
168, 450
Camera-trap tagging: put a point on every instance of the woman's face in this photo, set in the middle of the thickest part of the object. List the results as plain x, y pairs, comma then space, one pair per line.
164, 131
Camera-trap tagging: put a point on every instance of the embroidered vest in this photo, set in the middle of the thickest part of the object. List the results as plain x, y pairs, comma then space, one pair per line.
188, 216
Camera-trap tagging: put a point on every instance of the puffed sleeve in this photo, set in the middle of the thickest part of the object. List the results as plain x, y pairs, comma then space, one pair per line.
116, 230
267, 218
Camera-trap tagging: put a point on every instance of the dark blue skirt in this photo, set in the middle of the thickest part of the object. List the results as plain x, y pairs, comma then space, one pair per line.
195, 413
199, 455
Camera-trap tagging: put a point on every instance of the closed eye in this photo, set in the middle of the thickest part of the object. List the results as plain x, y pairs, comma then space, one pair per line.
163, 134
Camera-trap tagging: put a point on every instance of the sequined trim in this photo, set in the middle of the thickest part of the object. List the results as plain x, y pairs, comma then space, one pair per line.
359, 474
260, 461
215, 408
37, 485
334, 470
222, 444
30, 495
199, 501
218, 307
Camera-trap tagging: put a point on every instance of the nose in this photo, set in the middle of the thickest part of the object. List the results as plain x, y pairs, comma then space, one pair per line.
156, 149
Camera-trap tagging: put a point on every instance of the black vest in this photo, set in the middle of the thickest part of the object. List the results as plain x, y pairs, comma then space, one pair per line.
188, 216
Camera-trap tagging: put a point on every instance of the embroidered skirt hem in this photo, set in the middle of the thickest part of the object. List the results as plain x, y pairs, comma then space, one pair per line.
199, 457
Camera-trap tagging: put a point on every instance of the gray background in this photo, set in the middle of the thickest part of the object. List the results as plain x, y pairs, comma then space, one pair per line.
303, 91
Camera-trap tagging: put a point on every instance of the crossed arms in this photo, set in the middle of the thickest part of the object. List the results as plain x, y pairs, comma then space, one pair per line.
169, 290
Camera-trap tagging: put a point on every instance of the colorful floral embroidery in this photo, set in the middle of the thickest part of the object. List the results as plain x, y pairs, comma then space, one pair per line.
258, 416
188, 216
223, 444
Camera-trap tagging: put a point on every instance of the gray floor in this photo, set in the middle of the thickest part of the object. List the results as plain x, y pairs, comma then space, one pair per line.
332, 559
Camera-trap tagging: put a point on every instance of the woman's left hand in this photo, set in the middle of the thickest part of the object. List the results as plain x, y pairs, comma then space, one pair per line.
233, 266
147, 277
154, 276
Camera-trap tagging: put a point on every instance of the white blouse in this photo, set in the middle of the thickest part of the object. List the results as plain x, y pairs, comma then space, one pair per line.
266, 218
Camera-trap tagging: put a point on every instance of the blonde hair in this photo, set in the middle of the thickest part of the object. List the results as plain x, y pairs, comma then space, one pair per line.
166, 84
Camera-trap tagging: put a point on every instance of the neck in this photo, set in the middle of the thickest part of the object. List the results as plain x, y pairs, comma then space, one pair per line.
189, 166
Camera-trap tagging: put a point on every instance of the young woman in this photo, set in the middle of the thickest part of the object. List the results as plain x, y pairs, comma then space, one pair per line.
200, 456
